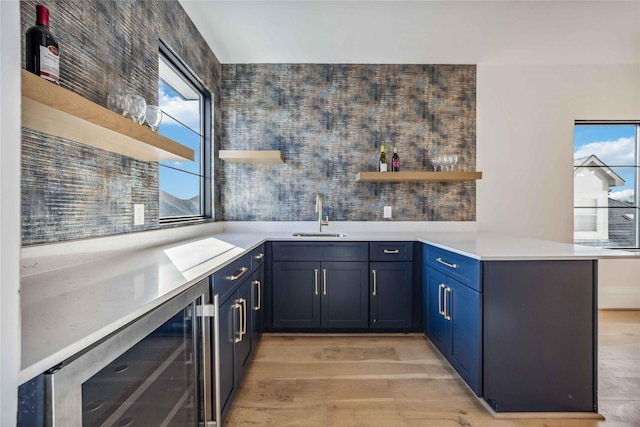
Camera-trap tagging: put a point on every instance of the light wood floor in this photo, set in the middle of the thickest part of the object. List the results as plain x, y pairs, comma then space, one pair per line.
399, 381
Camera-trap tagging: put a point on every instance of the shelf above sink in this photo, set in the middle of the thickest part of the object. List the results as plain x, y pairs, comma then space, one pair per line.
415, 176
320, 235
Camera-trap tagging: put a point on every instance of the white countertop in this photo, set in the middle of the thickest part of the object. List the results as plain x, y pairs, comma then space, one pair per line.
64, 310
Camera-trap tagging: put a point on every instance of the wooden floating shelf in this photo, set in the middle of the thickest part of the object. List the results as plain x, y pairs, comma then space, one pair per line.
48, 108
415, 176
252, 156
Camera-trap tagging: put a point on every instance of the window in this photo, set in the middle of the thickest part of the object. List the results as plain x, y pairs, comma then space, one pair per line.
185, 187
606, 181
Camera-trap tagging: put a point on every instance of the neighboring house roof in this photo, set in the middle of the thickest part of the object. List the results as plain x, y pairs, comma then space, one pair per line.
621, 227
593, 161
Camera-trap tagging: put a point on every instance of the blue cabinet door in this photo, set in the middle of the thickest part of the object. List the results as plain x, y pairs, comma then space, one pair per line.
466, 331
391, 295
438, 327
296, 295
344, 295
229, 316
243, 345
257, 305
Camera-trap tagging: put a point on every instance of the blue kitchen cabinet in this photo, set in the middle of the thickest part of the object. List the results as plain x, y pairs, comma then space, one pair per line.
320, 286
239, 321
391, 295
320, 295
344, 302
257, 304
453, 312
295, 292
391, 286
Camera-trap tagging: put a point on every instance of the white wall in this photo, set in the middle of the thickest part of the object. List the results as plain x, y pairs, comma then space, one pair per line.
525, 150
9, 209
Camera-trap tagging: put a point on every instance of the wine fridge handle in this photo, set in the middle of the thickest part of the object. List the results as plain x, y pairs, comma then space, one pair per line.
212, 415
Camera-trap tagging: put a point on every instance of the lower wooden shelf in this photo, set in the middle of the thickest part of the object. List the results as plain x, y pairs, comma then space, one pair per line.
416, 176
252, 156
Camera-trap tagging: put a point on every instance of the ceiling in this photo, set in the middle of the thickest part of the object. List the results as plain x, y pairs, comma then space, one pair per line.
420, 32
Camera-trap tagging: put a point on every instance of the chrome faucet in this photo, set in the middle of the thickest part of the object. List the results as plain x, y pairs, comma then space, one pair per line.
319, 210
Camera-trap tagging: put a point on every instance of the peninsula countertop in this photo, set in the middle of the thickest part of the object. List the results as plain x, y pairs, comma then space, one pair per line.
65, 310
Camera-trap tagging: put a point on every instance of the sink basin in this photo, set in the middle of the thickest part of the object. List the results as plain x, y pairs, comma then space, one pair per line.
320, 235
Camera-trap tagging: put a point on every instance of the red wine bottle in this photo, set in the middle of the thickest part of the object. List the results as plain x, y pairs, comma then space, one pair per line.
42, 49
395, 161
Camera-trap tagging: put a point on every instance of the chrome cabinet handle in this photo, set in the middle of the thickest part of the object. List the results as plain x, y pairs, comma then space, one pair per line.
238, 337
259, 305
375, 283
440, 288
259, 256
324, 281
315, 272
391, 251
244, 317
446, 263
237, 276
446, 314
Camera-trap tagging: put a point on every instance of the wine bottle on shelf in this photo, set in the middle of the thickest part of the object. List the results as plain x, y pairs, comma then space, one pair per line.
395, 161
42, 48
383, 160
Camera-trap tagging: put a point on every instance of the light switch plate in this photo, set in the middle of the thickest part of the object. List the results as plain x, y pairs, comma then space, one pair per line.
138, 214
386, 212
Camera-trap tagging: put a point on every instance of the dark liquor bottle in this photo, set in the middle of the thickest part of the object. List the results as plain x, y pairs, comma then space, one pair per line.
383, 160
42, 49
395, 161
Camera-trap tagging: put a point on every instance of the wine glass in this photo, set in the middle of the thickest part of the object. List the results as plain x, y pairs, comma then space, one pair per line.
454, 161
137, 108
153, 116
117, 101
436, 162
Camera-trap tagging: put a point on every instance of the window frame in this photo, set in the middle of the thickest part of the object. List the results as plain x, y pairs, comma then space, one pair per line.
636, 182
206, 131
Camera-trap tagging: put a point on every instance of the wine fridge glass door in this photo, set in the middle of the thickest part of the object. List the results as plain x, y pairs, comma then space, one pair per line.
148, 373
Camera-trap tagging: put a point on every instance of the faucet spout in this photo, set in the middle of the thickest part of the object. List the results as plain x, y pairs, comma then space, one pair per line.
321, 223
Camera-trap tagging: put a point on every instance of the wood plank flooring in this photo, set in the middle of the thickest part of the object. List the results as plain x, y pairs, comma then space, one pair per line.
402, 381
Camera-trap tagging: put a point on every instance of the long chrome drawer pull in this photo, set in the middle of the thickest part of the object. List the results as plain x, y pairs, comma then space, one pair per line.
238, 337
259, 304
237, 276
375, 283
446, 314
316, 280
440, 288
259, 256
391, 251
324, 281
446, 263
244, 317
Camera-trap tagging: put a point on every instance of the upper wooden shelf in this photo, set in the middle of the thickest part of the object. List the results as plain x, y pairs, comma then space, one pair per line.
48, 108
252, 156
414, 176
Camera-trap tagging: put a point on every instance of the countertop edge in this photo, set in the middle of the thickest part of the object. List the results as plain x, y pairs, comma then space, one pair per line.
249, 242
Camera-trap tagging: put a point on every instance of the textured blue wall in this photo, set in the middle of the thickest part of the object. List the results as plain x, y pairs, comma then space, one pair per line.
330, 120
72, 191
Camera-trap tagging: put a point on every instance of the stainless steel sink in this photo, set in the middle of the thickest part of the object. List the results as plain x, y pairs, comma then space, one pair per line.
320, 235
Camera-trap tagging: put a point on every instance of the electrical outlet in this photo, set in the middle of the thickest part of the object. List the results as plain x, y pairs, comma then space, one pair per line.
386, 212
138, 214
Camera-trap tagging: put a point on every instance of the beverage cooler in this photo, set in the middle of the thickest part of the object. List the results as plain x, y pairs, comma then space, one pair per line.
158, 371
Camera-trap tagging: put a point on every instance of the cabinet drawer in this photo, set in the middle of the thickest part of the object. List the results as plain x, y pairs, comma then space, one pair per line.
224, 280
257, 257
391, 251
464, 269
320, 251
